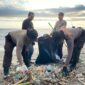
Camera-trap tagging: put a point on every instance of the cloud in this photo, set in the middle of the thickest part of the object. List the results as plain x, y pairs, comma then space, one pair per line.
12, 11
15, 3
1, 2
9, 10
67, 10
12, 8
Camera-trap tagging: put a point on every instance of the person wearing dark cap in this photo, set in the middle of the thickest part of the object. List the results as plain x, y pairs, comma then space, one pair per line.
58, 25
75, 39
28, 50
19, 39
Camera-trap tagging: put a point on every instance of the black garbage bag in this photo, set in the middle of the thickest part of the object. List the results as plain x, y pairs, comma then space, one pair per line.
47, 49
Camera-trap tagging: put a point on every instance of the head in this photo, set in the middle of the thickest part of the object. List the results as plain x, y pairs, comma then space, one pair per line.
60, 15
31, 16
32, 34
58, 36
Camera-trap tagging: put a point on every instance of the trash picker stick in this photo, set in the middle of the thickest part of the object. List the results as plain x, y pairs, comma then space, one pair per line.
83, 83
50, 25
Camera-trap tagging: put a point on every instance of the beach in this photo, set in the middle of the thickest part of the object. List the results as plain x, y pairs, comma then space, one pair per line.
44, 16
35, 54
41, 31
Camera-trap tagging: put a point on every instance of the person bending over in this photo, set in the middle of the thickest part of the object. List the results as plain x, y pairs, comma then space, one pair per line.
18, 39
75, 39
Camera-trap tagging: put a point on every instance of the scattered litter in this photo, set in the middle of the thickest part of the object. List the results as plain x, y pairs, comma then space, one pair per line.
43, 75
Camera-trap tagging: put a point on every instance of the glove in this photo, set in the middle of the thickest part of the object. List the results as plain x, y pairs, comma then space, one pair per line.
65, 71
22, 68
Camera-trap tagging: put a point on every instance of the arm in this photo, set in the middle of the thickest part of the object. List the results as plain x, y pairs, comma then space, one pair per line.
19, 48
70, 46
23, 25
54, 29
65, 24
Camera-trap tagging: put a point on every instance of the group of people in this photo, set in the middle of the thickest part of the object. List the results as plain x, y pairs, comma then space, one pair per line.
49, 45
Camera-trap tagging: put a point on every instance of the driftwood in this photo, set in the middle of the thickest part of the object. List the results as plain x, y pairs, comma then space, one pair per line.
20, 81
41, 74
83, 83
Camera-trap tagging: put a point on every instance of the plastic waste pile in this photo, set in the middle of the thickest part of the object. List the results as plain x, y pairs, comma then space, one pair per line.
43, 75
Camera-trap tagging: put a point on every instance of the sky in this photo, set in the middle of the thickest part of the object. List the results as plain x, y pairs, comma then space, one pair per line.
21, 7
43, 4
40, 4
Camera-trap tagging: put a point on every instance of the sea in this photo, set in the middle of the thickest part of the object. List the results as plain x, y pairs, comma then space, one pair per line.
40, 24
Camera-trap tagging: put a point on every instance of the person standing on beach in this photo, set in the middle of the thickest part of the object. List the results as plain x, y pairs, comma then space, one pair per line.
61, 23
28, 50
27, 23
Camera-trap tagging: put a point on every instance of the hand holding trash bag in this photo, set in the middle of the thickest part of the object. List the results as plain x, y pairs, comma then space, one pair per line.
22, 68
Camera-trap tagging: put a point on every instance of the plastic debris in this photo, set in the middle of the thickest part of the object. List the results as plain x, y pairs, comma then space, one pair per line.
43, 75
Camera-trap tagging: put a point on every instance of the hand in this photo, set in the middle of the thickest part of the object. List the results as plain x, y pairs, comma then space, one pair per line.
33, 43
22, 68
65, 71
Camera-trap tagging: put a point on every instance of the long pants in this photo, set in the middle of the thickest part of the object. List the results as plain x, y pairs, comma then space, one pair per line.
78, 45
8, 49
59, 50
9, 46
27, 54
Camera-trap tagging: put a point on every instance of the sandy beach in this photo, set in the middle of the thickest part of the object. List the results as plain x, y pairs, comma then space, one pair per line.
81, 64
44, 16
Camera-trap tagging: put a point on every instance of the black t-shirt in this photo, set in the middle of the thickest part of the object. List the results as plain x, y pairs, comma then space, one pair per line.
27, 24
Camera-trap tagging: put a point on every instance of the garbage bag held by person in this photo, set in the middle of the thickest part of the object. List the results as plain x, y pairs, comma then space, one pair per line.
46, 50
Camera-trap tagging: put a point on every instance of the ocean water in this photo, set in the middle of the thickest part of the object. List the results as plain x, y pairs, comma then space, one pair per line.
40, 24
3, 33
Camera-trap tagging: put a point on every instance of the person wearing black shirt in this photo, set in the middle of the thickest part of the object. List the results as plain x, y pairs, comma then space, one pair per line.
27, 23
28, 51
